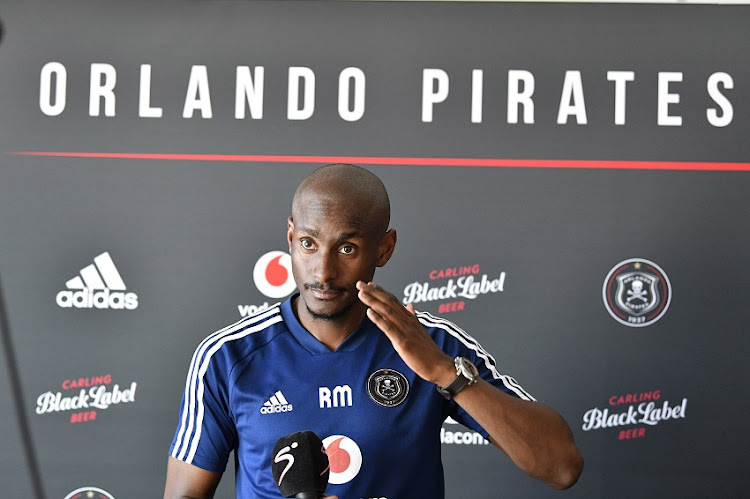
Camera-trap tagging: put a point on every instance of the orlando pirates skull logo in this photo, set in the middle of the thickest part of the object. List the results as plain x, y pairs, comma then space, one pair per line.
387, 387
636, 292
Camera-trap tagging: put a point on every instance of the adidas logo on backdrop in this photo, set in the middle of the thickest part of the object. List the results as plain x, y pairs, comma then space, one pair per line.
99, 285
277, 403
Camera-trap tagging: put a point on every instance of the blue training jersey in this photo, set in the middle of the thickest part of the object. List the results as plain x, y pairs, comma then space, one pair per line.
266, 376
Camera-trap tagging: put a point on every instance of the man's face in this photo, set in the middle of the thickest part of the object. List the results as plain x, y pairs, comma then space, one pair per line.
332, 249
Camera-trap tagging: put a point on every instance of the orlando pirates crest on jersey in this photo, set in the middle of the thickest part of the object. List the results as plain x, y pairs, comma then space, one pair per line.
265, 377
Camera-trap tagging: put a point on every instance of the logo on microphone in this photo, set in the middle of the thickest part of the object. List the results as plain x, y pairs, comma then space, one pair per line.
344, 458
273, 274
284, 455
637, 292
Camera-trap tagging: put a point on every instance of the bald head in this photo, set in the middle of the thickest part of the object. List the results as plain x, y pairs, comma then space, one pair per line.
338, 235
360, 194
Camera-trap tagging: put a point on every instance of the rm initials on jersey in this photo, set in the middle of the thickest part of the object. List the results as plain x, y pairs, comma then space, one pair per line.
341, 396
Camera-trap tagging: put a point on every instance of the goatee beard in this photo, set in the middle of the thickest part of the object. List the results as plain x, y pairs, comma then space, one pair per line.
331, 317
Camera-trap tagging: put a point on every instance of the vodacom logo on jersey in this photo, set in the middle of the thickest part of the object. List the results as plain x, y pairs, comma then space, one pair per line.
273, 277
344, 458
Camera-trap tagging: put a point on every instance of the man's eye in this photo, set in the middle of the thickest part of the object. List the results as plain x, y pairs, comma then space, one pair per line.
347, 250
306, 244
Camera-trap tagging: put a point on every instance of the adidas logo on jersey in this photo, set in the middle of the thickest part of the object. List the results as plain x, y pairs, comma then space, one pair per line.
99, 285
277, 403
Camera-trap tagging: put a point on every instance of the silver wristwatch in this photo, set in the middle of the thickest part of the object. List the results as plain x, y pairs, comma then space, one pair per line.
466, 374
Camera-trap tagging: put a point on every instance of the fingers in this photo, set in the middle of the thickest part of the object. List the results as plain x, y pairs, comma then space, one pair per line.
384, 309
380, 300
376, 292
410, 308
408, 337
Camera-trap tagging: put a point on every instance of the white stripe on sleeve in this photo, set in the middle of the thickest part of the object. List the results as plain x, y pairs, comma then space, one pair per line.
469, 342
194, 380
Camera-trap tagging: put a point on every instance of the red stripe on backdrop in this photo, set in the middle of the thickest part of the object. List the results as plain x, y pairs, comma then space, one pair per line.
374, 160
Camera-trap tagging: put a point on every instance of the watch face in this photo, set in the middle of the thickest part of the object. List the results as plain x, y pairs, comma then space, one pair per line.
467, 369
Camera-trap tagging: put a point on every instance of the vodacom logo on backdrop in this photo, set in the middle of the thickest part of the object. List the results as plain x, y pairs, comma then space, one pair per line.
272, 276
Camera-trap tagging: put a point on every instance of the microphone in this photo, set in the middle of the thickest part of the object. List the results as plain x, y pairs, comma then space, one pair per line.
300, 465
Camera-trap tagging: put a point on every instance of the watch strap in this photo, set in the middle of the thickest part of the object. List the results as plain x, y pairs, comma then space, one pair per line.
461, 381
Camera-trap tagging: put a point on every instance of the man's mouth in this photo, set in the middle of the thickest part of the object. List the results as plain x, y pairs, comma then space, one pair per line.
324, 292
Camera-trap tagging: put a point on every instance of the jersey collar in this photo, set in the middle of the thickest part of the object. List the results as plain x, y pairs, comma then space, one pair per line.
311, 343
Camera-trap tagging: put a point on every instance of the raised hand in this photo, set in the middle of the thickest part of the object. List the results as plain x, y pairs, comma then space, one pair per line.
409, 338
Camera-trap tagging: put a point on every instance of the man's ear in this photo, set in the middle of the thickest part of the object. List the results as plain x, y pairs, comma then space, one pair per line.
387, 245
289, 232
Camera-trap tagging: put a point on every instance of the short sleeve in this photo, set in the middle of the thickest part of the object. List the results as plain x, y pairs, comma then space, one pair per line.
488, 371
456, 342
205, 434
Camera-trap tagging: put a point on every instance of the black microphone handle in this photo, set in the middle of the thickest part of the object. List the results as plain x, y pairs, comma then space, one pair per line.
308, 495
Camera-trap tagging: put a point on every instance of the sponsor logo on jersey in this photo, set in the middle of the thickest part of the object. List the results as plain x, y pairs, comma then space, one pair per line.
450, 437
387, 387
340, 396
637, 292
632, 414
276, 404
344, 458
98, 285
453, 286
85, 396
89, 493
273, 277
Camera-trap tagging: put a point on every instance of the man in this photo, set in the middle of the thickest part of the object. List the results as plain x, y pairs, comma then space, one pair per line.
345, 359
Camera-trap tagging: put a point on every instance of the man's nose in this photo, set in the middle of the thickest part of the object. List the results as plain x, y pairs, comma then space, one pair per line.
325, 267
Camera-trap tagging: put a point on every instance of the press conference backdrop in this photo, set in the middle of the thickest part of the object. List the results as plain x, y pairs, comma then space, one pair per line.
569, 184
